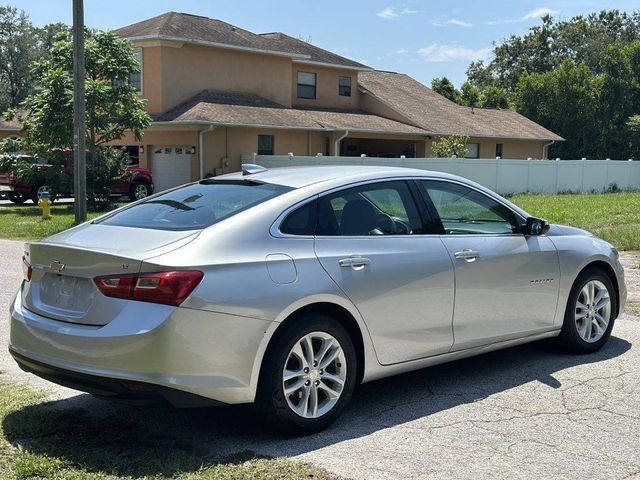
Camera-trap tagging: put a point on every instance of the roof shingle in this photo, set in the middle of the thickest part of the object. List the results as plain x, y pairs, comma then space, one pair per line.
242, 109
441, 116
195, 28
286, 43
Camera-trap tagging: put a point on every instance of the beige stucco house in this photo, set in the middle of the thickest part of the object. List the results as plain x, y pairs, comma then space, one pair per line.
217, 92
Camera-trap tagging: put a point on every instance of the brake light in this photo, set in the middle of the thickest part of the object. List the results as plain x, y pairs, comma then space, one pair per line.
26, 269
169, 288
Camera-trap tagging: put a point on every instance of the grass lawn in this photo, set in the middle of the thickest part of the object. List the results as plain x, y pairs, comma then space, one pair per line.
40, 440
25, 222
614, 217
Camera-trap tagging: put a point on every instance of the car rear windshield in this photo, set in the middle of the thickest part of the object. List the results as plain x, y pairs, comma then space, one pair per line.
195, 206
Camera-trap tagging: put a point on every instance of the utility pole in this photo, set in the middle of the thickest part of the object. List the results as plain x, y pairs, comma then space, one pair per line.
79, 130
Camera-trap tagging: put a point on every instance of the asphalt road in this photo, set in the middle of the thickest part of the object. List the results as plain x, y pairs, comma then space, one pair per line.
527, 412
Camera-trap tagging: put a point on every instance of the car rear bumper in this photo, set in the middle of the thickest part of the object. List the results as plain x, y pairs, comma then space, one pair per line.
123, 391
205, 354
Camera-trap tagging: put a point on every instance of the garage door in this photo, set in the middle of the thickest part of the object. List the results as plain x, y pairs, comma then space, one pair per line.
170, 167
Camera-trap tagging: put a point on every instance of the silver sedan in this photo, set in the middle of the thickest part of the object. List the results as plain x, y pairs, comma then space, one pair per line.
288, 287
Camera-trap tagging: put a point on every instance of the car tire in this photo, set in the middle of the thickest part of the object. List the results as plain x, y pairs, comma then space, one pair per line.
575, 329
18, 198
282, 410
139, 190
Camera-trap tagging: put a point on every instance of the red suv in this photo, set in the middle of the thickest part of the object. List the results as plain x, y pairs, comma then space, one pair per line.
138, 186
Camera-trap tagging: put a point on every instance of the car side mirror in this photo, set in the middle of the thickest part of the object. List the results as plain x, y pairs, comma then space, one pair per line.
536, 226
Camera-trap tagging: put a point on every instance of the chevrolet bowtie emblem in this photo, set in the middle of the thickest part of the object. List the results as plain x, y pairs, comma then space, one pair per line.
57, 266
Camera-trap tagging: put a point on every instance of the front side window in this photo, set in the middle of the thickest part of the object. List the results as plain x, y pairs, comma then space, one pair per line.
195, 206
344, 86
385, 208
307, 85
265, 144
473, 150
464, 211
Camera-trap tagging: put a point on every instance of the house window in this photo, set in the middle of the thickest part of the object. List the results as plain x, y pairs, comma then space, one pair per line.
136, 79
499, 150
344, 86
473, 150
265, 144
133, 154
307, 85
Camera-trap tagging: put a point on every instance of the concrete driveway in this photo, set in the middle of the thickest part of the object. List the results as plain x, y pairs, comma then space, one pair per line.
527, 412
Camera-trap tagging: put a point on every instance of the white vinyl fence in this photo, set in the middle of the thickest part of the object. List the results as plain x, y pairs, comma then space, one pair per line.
501, 175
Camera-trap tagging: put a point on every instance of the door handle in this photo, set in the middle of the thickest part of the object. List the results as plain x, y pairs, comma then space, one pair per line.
357, 263
468, 255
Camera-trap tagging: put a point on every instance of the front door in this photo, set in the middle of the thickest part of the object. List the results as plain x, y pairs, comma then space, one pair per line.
370, 241
506, 282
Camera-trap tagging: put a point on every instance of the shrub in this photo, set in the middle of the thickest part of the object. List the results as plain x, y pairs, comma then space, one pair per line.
450, 146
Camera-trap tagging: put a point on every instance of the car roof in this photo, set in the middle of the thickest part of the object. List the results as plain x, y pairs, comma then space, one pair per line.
315, 179
299, 177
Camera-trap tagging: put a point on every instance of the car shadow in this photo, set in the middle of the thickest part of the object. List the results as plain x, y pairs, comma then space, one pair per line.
160, 441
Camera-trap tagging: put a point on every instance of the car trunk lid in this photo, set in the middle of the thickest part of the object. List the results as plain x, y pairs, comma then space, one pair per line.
65, 265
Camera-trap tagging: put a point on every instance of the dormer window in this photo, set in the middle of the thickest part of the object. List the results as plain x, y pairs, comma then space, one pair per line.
344, 86
307, 85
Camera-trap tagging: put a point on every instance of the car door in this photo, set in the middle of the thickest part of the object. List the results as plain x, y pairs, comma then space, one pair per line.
506, 283
370, 240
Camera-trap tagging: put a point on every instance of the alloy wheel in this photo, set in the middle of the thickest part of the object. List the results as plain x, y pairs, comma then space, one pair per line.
140, 191
314, 375
593, 311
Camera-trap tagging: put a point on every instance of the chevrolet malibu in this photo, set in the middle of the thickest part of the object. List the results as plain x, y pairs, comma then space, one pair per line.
288, 287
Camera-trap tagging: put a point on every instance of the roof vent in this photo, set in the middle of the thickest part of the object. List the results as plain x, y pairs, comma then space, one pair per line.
233, 28
251, 168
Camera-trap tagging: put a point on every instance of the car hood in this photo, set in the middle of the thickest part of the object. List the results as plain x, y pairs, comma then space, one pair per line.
556, 230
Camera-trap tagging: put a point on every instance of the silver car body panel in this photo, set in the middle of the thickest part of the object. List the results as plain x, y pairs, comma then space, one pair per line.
512, 288
256, 278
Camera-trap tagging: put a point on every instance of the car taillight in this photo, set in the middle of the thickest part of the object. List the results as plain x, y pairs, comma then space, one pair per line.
169, 288
26, 269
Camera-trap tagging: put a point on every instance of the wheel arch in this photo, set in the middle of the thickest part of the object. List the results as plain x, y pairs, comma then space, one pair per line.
608, 270
334, 310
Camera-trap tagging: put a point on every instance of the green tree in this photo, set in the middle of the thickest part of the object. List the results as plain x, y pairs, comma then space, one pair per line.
633, 129
450, 146
565, 101
619, 71
17, 50
582, 39
444, 87
112, 108
479, 75
112, 104
469, 95
495, 97
46, 36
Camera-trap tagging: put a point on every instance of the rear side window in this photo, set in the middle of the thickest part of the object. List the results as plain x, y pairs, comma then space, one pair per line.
196, 206
302, 221
385, 208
